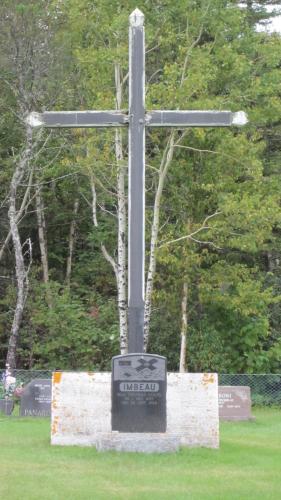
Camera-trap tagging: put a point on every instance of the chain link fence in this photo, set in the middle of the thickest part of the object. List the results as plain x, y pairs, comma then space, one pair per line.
12, 386
23, 377
265, 388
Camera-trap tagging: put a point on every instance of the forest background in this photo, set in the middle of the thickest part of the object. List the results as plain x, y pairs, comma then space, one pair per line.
213, 218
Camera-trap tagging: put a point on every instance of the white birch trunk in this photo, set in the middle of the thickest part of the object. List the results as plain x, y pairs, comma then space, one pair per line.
41, 223
71, 242
165, 163
24, 204
182, 367
122, 219
119, 267
42, 237
105, 253
21, 272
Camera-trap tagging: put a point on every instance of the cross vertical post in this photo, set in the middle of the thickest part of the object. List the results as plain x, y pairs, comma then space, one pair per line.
136, 237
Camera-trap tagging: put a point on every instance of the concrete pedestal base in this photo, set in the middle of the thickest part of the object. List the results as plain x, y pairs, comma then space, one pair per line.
81, 413
138, 442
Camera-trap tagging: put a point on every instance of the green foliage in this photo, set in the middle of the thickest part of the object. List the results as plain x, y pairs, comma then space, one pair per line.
70, 334
223, 186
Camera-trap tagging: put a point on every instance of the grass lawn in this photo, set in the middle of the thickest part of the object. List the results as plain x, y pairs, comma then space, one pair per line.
247, 466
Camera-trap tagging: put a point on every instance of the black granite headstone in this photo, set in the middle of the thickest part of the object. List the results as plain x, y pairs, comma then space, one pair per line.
36, 398
139, 386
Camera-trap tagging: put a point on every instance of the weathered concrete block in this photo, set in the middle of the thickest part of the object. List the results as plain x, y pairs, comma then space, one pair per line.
143, 442
192, 408
81, 413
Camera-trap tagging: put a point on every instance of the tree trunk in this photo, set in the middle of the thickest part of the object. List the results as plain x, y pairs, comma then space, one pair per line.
21, 271
164, 166
42, 236
165, 163
71, 242
24, 204
42, 233
121, 195
183, 328
119, 267
105, 253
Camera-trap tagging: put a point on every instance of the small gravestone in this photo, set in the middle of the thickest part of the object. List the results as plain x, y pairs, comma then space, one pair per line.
6, 406
139, 386
36, 398
234, 403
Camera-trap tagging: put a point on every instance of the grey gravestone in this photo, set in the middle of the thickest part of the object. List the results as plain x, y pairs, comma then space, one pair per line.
139, 386
6, 406
234, 403
36, 398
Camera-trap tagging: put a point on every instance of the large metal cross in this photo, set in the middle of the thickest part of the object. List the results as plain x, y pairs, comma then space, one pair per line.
136, 119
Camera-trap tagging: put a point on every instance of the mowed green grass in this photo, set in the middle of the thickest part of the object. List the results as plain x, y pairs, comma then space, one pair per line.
247, 466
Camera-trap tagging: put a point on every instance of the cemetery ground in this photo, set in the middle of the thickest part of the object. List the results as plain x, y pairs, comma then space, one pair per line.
247, 465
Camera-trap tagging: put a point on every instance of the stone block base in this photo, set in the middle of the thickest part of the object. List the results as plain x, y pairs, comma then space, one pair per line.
138, 442
81, 413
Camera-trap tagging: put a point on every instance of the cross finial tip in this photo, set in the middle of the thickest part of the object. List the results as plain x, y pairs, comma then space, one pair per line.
34, 119
239, 118
137, 18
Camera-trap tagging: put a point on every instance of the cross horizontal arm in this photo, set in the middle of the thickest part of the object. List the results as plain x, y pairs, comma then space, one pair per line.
56, 119
194, 118
65, 119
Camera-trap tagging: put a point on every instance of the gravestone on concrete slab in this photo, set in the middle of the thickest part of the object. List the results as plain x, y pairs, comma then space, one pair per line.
36, 399
139, 386
234, 403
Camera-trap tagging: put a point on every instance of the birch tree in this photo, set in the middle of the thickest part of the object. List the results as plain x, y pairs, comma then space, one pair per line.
184, 326
165, 164
19, 248
122, 220
25, 38
71, 242
41, 222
